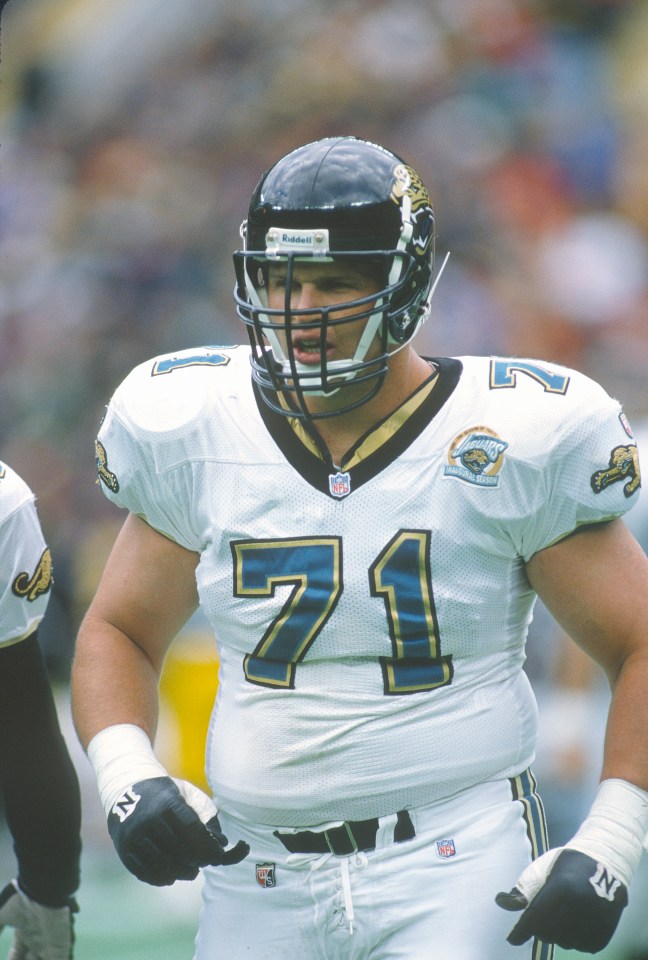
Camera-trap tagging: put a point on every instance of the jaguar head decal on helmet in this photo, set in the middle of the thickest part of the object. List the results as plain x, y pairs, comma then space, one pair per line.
335, 199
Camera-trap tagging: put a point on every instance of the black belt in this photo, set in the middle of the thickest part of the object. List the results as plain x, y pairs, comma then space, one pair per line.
346, 839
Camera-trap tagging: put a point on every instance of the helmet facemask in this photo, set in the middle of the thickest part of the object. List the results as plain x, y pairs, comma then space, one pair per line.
386, 236
275, 366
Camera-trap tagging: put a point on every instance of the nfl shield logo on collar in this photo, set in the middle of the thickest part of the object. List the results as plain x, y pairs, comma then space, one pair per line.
265, 874
340, 484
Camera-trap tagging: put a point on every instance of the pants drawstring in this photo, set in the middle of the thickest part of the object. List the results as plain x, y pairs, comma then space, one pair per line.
346, 890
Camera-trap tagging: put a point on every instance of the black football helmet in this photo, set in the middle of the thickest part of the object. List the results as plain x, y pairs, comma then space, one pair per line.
335, 198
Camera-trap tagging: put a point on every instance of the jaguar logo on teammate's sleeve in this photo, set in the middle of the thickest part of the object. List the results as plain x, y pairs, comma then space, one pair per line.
40, 581
623, 465
104, 474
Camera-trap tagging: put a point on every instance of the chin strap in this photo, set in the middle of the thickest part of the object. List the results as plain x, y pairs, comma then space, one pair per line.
425, 309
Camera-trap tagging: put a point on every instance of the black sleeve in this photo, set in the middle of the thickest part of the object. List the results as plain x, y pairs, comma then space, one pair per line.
38, 781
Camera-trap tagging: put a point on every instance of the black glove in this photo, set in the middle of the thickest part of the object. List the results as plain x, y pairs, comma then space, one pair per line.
578, 907
160, 838
41, 933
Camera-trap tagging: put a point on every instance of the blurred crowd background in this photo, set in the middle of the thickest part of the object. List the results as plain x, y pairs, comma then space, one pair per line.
131, 138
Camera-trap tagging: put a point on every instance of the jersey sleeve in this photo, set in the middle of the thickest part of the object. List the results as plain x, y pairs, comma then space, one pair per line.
588, 473
133, 453
25, 561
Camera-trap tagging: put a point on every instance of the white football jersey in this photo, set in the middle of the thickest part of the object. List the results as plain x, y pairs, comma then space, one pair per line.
371, 620
25, 562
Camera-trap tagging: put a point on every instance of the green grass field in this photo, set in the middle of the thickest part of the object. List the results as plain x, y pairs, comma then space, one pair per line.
120, 918
123, 919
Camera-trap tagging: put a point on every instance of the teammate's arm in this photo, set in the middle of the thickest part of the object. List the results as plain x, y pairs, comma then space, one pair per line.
40, 790
163, 829
38, 781
595, 583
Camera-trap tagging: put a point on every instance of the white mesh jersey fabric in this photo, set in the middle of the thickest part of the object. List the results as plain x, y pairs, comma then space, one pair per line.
346, 612
22, 601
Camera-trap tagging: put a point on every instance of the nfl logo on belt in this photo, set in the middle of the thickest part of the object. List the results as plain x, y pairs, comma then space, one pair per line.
340, 484
265, 874
446, 848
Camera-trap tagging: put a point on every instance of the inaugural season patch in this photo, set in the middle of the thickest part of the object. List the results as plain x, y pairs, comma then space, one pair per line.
476, 455
623, 467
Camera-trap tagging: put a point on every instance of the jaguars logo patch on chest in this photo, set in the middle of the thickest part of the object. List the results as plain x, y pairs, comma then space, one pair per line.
476, 455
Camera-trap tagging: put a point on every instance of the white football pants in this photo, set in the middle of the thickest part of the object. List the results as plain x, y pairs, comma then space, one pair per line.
429, 898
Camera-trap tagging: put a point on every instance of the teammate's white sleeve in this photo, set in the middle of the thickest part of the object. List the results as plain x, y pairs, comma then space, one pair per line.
25, 562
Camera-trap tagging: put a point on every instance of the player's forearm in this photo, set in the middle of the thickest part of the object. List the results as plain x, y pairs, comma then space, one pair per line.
626, 740
43, 811
113, 681
37, 779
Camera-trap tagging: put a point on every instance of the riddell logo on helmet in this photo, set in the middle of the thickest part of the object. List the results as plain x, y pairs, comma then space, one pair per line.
285, 241
295, 238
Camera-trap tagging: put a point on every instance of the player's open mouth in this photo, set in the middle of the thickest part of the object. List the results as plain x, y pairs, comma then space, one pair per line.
308, 350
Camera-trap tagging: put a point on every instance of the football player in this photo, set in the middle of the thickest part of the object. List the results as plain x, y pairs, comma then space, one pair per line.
367, 530
38, 782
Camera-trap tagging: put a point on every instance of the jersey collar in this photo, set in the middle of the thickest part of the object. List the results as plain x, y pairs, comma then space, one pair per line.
376, 449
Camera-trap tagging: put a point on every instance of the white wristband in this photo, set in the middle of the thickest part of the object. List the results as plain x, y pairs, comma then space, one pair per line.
615, 829
121, 755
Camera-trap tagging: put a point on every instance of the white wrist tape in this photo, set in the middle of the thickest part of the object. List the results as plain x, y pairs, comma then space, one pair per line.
615, 829
121, 755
